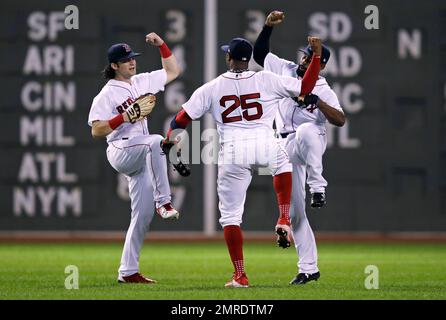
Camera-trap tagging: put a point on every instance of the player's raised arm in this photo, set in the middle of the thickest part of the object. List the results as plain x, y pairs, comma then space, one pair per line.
168, 60
312, 73
261, 46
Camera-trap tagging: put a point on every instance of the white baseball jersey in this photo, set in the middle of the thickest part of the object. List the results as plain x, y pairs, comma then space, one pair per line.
243, 106
242, 102
289, 115
116, 96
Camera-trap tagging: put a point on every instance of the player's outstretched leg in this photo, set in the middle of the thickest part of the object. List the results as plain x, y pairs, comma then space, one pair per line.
303, 235
141, 200
233, 182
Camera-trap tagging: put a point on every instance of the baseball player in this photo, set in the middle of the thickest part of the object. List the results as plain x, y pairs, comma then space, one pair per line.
118, 114
243, 104
301, 124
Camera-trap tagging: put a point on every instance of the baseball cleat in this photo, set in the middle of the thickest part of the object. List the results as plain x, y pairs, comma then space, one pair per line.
167, 212
318, 199
303, 278
135, 278
283, 232
239, 282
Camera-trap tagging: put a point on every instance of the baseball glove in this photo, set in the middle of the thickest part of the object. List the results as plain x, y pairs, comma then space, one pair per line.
183, 169
141, 108
307, 100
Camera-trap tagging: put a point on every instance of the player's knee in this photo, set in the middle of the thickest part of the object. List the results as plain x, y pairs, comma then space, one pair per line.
304, 131
308, 135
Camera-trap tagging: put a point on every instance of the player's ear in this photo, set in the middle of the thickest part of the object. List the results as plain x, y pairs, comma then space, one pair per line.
114, 66
323, 66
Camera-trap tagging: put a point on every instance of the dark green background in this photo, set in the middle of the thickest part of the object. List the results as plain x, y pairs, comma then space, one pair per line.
395, 181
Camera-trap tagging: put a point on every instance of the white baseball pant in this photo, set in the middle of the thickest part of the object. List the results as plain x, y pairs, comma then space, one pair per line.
143, 163
305, 149
236, 163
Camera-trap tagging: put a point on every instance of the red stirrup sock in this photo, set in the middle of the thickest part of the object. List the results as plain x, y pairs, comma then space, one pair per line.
283, 186
234, 241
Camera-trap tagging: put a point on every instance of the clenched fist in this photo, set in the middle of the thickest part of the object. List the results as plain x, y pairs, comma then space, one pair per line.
154, 39
274, 18
316, 45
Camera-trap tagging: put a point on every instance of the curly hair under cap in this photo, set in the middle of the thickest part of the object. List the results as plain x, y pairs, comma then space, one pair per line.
108, 72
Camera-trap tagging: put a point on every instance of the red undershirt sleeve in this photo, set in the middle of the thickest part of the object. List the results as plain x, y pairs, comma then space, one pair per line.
311, 75
181, 121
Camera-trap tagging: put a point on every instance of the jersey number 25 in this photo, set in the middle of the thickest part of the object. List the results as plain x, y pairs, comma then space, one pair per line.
243, 102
